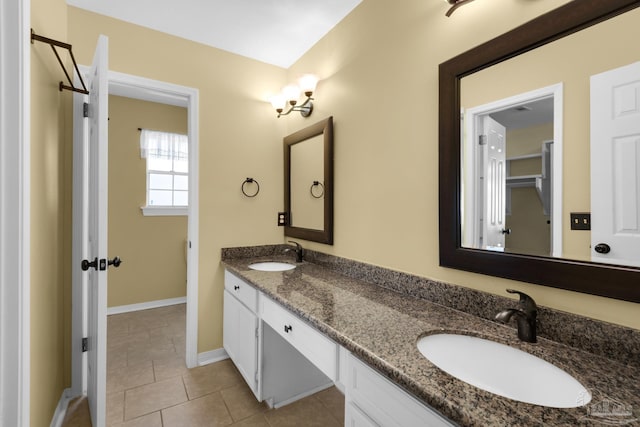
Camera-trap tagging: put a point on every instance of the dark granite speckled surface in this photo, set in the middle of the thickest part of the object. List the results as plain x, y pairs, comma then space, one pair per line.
379, 314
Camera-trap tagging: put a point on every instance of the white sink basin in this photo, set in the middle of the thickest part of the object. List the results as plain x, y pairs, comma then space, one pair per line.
503, 370
272, 266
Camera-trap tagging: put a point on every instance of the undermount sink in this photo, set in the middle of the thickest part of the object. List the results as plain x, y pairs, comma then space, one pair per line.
272, 266
503, 370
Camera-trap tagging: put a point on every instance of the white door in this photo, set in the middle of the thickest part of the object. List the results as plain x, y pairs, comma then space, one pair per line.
97, 234
493, 154
615, 166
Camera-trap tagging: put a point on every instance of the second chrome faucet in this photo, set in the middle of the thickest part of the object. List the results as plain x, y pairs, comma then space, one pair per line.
526, 316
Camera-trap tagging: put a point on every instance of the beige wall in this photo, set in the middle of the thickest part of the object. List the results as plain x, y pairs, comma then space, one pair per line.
152, 247
379, 71
240, 137
50, 220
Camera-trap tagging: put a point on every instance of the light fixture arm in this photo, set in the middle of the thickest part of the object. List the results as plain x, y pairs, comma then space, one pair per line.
305, 109
456, 4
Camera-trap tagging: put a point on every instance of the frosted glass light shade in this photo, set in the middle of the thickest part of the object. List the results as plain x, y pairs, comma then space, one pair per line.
308, 83
291, 94
278, 102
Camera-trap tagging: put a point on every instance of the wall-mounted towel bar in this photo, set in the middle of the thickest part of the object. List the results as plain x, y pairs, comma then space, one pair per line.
54, 44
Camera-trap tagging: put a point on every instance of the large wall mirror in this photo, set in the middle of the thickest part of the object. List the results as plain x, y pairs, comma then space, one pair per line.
308, 182
524, 120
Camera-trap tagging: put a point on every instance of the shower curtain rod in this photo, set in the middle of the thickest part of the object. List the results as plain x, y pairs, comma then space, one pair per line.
53, 44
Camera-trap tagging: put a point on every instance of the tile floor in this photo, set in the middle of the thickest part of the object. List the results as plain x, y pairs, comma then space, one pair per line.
149, 385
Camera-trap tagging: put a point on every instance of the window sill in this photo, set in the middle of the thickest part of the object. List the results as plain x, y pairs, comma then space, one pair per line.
165, 210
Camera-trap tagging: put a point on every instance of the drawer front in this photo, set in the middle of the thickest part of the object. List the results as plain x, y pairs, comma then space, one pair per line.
320, 350
385, 402
245, 293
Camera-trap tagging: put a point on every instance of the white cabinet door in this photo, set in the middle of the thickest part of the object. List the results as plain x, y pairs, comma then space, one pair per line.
240, 339
355, 418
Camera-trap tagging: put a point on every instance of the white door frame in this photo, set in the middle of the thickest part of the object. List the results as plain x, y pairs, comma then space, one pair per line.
15, 170
136, 87
470, 129
145, 89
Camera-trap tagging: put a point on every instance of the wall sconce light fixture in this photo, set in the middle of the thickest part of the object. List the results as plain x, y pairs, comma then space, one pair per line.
455, 4
290, 95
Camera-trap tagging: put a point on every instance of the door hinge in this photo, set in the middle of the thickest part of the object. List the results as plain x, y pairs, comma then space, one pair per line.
85, 109
257, 334
85, 344
482, 139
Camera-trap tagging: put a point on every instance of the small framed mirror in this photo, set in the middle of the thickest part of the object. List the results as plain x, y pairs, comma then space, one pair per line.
308, 183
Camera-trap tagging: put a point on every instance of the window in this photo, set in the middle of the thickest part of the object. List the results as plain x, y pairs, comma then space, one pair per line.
167, 156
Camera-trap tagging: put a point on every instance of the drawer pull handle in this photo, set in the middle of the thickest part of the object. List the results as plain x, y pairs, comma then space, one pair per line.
236, 287
287, 328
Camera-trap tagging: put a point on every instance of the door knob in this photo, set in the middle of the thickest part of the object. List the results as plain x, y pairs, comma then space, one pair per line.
86, 264
506, 231
602, 248
115, 262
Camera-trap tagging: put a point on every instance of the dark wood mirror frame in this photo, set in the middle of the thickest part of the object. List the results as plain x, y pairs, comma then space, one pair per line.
581, 276
325, 128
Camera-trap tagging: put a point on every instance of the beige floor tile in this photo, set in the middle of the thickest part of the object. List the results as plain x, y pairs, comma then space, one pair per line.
169, 368
77, 414
116, 358
257, 420
161, 348
115, 408
151, 420
333, 400
153, 397
127, 339
207, 411
211, 378
241, 402
130, 377
308, 412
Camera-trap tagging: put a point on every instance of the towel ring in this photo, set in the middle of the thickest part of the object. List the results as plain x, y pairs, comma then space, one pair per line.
317, 184
250, 181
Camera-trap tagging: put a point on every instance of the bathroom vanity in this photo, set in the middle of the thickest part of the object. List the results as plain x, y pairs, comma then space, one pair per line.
328, 321
283, 359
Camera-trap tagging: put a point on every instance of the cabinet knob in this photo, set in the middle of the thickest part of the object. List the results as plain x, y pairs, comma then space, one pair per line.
287, 328
236, 287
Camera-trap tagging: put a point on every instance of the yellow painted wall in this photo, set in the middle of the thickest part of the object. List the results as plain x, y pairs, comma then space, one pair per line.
240, 137
152, 247
379, 71
50, 217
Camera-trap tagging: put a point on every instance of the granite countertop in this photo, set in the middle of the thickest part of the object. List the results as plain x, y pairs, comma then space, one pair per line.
381, 327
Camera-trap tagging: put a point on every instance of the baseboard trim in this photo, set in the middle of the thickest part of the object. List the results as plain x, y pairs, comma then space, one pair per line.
145, 305
61, 409
212, 356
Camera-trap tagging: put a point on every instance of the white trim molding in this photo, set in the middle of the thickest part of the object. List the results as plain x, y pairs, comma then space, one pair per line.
165, 210
15, 212
61, 409
145, 305
212, 356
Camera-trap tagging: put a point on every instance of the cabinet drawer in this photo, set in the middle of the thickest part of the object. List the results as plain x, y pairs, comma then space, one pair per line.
386, 403
320, 350
245, 293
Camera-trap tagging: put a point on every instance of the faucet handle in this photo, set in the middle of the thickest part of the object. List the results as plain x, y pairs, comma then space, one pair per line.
529, 305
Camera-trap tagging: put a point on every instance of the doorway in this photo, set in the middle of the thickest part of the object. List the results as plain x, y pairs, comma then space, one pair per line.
532, 121
135, 87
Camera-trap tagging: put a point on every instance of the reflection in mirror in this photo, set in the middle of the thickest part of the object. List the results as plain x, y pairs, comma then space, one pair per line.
512, 171
308, 182
307, 167
569, 46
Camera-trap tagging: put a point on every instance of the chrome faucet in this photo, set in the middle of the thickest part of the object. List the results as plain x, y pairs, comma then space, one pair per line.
298, 250
525, 317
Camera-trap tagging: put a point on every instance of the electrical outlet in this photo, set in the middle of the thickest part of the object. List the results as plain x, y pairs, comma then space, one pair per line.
282, 219
581, 220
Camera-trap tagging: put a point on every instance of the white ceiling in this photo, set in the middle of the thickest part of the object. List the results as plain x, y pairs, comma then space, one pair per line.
277, 32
